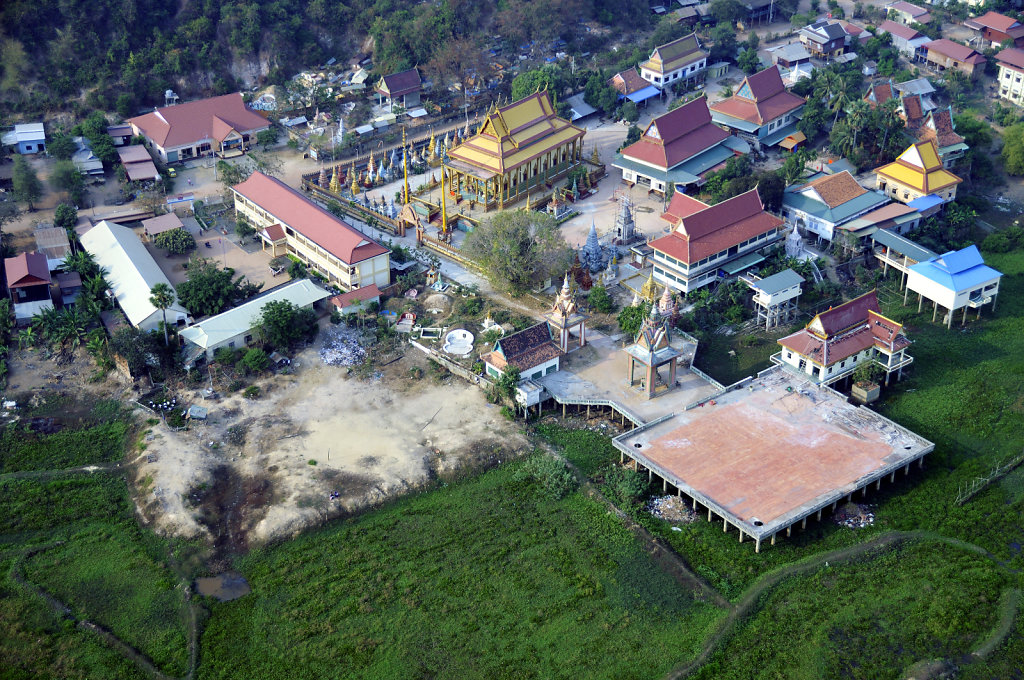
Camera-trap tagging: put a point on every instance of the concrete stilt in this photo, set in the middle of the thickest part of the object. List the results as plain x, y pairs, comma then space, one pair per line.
920, 302
864, 492
741, 535
563, 410
709, 513
906, 469
622, 458
892, 477
588, 405
920, 463
819, 513
789, 530
725, 525
664, 485
757, 545
834, 504
650, 475
935, 310
878, 484
773, 539
964, 322
803, 524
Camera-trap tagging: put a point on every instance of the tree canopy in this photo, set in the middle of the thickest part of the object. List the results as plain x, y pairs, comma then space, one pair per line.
519, 249
27, 187
282, 324
210, 290
176, 241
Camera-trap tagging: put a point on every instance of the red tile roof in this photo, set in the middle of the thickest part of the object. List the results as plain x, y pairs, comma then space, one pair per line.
27, 269
677, 136
1012, 56
627, 82
835, 190
871, 330
899, 30
845, 316
134, 154
913, 110
353, 296
938, 126
769, 99
524, 350
717, 228
880, 94
398, 84
682, 206
294, 210
198, 120
956, 51
274, 233
998, 22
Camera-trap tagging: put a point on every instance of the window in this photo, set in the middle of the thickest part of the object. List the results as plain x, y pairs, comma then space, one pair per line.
538, 374
789, 355
248, 339
231, 344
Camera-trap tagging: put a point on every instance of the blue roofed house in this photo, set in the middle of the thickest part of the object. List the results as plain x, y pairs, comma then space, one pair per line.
26, 138
762, 111
679, 147
631, 86
825, 202
959, 279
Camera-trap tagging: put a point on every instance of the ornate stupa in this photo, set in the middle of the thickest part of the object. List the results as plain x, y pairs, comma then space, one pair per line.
625, 225
794, 244
593, 256
322, 179
649, 291
354, 186
566, 321
667, 305
335, 182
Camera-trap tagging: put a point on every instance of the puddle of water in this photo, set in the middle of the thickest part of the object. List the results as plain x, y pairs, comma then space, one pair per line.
224, 587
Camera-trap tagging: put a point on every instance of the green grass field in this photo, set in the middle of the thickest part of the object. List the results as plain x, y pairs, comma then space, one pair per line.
484, 579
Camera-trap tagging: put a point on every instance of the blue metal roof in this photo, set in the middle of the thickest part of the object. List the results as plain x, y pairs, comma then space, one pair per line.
644, 94
791, 198
925, 202
957, 270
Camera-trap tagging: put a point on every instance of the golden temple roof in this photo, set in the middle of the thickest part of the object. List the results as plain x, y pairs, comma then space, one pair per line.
514, 134
920, 168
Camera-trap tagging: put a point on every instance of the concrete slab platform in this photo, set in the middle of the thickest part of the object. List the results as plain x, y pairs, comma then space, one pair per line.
773, 452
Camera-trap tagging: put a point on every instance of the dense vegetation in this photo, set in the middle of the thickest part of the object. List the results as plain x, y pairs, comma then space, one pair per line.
123, 54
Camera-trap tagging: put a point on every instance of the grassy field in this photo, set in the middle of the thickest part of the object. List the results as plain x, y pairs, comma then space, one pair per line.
97, 560
484, 579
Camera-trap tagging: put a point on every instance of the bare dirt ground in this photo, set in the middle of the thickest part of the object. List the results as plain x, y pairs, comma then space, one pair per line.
248, 475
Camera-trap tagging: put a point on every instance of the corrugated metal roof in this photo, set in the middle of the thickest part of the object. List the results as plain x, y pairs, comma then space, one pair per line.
957, 270
902, 245
776, 283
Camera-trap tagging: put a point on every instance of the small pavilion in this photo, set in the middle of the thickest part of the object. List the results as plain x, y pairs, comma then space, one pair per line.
567, 323
652, 350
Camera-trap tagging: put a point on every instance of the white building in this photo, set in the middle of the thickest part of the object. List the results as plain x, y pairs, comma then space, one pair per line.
236, 327
1011, 72
679, 60
956, 280
132, 273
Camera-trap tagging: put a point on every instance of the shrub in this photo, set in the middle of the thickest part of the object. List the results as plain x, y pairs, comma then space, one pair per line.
471, 306
626, 486
336, 317
256, 360
251, 392
508, 412
235, 385
226, 356
552, 475
600, 300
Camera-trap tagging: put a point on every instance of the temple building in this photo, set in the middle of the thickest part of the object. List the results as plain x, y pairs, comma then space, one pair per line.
680, 60
565, 320
839, 340
917, 173
521, 148
707, 240
762, 111
679, 148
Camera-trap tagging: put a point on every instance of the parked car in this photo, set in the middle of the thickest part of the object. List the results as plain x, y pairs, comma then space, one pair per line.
171, 172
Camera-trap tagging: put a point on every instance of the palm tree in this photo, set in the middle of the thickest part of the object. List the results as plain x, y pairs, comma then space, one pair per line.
82, 262
162, 296
96, 288
841, 139
47, 323
860, 113
840, 98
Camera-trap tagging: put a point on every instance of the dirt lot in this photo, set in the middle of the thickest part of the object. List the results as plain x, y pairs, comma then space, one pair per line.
248, 475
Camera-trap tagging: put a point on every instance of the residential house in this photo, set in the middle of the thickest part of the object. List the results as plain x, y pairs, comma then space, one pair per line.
995, 29
26, 138
681, 60
223, 126
917, 173
762, 111
403, 87
237, 327
825, 202
131, 272
837, 341
85, 160
759, 11
357, 299
678, 148
630, 85
706, 240
879, 93
908, 41
923, 88
856, 35
1011, 71
534, 351
944, 54
911, 110
906, 13
28, 284
53, 242
789, 55
938, 126
824, 39
121, 134
70, 285
138, 164
342, 254
955, 280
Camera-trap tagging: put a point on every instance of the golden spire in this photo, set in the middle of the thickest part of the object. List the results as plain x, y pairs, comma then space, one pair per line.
595, 159
649, 291
335, 182
444, 205
405, 165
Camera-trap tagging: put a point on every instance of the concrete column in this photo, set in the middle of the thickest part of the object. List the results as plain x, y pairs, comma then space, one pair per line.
588, 411
819, 513
920, 301
622, 458
892, 477
803, 524
757, 545
834, 505
563, 410
964, 322
725, 525
664, 485
935, 310
864, 492
920, 462
709, 512
878, 484
741, 535
906, 469
773, 539
789, 530
650, 475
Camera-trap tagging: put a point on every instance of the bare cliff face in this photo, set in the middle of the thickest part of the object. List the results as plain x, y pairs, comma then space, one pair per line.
251, 72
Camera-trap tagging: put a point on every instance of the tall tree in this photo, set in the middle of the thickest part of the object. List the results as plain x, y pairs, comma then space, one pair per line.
27, 187
161, 296
519, 249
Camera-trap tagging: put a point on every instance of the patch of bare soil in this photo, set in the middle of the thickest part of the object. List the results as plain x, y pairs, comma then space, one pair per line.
320, 444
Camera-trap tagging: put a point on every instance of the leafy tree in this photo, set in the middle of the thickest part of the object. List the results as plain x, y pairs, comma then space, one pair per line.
268, 137
27, 187
723, 48
631, 318
508, 382
600, 300
256, 360
599, 94
61, 147
976, 132
282, 324
549, 77
296, 270
519, 249
65, 216
134, 347
176, 241
727, 12
161, 296
66, 177
749, 61
210, 290
630, 112
633, 135
1013, 149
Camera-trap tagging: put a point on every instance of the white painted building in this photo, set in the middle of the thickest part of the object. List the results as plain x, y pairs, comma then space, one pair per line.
956, 280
